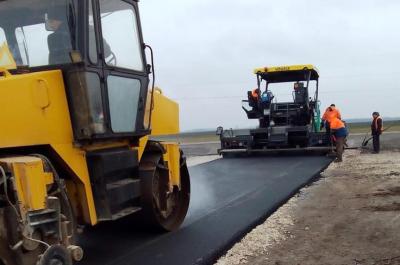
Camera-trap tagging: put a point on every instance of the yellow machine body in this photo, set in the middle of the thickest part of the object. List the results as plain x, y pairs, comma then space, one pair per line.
35, 110
285, 68
6, 58
30, 181
78, 141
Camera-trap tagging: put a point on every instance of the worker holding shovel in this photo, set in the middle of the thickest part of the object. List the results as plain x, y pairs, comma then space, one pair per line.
376, 131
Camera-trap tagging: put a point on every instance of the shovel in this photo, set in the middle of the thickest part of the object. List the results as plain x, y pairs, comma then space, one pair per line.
366, 141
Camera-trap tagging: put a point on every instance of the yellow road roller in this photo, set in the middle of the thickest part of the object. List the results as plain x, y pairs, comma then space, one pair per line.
80, 115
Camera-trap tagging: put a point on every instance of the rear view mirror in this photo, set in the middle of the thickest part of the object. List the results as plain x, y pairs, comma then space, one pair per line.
219, 131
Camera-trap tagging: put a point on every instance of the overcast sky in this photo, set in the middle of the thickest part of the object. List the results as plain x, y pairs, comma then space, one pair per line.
206, 50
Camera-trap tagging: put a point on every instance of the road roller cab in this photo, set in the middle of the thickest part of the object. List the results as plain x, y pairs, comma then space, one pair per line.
78, 115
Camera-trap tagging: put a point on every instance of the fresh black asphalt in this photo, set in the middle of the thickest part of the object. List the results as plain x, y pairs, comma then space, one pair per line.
229, 197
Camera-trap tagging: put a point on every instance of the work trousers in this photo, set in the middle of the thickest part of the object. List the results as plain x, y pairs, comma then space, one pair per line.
340, 147
376, 143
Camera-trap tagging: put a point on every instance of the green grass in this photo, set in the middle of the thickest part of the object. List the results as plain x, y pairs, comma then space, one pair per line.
186, 138
365, 127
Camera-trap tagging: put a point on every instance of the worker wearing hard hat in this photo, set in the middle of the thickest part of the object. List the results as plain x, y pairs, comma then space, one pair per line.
376, 131
330, 113
339, 133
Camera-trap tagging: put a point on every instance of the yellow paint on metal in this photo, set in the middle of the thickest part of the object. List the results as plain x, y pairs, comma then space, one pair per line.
35, 112
30, 181
40, 94
27, 123
76, 160
6, 59
285, 68
48, 177
172, 157
165, 115
142, 146
4, 72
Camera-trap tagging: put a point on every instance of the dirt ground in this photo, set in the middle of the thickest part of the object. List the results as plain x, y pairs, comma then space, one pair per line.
350, 216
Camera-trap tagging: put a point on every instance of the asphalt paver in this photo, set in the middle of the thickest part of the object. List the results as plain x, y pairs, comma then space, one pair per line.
229, 197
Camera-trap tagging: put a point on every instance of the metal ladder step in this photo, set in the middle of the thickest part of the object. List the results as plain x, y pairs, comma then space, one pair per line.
125, 212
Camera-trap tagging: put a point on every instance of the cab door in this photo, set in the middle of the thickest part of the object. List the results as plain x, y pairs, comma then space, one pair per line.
120, 54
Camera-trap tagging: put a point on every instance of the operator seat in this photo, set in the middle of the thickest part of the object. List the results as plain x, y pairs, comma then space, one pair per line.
254, 112
301, 95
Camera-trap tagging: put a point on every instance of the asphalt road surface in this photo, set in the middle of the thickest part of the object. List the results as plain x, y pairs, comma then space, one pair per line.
229, 197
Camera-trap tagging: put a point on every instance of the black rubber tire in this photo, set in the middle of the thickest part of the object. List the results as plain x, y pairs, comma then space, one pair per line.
56, 255
181, 197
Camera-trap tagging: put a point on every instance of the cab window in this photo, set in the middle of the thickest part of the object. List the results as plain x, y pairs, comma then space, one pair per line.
3, 39
92, 35
121, 43
39, 33
32, 44
123, 96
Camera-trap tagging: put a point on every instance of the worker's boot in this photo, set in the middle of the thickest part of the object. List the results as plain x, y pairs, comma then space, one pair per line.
339, 157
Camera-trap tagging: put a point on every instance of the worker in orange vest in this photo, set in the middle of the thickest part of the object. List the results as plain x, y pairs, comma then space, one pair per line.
339, 133
255, 93
330, 113
254, 98
376, 131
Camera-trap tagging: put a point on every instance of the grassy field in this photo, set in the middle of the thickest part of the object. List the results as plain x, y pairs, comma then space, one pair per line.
209, 136
193, 137
365, 127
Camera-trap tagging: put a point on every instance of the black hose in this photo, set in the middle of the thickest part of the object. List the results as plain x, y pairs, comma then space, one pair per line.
6, 194
61, 186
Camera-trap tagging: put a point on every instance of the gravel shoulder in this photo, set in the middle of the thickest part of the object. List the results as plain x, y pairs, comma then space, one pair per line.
350, 216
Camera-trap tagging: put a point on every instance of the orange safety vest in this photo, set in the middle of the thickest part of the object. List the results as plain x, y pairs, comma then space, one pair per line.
376, 123
336, 124
330, 114
254, 93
